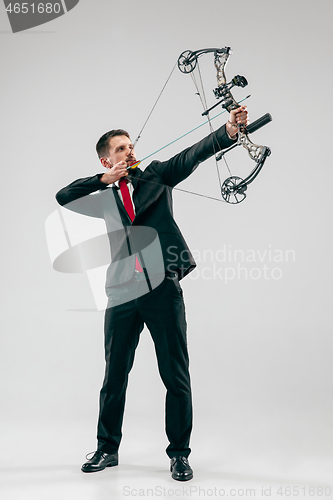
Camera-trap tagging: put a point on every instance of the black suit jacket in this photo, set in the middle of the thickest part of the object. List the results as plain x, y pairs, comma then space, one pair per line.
152, 197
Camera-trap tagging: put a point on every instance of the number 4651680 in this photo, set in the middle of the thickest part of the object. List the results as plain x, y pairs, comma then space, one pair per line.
38, 8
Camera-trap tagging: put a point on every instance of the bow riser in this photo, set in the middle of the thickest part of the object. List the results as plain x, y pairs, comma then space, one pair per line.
257, 153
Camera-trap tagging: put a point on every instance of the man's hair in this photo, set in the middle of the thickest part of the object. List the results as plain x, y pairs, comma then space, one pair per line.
103, 145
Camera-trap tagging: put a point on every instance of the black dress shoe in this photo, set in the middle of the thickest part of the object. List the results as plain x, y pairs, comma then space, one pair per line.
99, 461
180, 469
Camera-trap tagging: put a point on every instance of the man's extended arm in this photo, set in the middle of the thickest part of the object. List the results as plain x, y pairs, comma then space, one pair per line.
180, 166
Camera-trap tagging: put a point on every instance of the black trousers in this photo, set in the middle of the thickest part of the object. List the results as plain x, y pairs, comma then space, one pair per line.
163, 311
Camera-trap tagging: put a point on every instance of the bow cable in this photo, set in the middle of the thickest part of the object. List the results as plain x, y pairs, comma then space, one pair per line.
209, 121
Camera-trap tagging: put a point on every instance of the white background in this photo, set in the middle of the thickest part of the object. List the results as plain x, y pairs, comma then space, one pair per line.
260, 349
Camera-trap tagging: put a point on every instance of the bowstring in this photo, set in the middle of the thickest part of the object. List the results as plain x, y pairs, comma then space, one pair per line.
202, 97
203, 100
154, 106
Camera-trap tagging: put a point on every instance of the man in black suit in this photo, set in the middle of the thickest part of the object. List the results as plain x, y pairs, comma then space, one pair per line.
143, 286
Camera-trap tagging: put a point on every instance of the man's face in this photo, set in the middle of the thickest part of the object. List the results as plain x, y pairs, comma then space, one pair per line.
121, 149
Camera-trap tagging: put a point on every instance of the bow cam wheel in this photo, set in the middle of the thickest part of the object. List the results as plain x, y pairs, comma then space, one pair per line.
233, 190
185, 64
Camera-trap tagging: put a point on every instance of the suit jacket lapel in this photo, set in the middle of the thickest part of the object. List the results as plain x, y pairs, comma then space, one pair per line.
149, 192
123, 214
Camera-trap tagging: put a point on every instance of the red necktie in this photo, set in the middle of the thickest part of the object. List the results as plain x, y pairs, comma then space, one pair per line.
130, 210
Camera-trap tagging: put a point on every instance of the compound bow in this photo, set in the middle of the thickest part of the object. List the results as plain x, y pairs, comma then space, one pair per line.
234, 188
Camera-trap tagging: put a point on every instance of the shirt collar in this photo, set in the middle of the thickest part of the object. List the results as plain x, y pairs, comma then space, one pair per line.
116, 184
